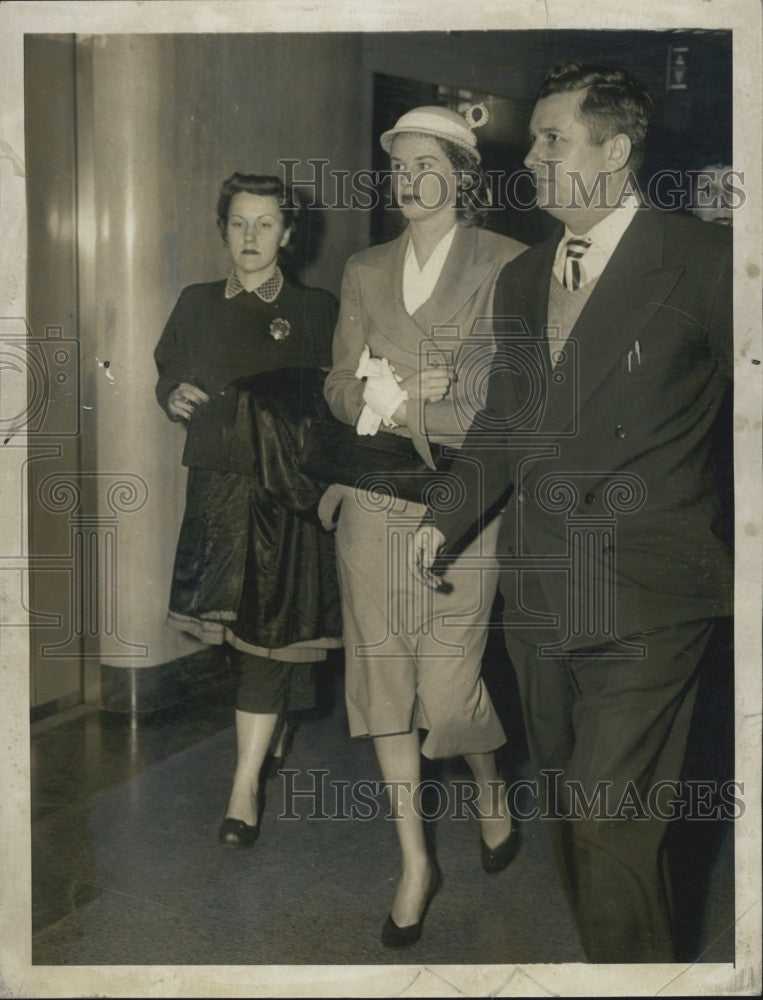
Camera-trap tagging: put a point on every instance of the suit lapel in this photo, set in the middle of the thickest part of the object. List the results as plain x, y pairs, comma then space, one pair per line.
462, 275
521, 304
630, 290
382, 288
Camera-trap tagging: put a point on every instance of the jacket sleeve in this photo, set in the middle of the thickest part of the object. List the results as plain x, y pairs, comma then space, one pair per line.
171, 353
344, 392
452, 416
483, 463
721, 326
323, 309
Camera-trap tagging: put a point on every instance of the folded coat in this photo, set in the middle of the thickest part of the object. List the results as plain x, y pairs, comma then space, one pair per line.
252, 557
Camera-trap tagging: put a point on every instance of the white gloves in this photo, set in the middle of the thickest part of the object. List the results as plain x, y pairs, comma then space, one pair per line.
382, 395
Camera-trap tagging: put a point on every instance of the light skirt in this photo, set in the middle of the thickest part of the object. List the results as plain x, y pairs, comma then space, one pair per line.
413, 655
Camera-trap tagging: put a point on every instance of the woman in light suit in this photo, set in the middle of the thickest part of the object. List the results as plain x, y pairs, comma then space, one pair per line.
414, 316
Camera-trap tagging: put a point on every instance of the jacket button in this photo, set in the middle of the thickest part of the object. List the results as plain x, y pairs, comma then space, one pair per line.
521, 496
589, 498
620, 431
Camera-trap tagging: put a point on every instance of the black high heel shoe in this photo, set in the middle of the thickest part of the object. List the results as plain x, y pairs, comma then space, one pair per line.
403, 937
271, 767
237, 834
495, 859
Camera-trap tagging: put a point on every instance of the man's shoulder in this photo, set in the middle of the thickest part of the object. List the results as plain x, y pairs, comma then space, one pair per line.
530, 264
498, 248
701, 237
685, 236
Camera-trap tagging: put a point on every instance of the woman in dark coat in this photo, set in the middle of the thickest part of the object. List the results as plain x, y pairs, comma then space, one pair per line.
239, 363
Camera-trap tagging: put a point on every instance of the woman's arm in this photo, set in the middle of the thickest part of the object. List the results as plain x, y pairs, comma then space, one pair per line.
176, 393
343, 391
171, 354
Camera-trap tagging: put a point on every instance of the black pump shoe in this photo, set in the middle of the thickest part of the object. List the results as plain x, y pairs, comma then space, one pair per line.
495, 859
237, 834
403, 937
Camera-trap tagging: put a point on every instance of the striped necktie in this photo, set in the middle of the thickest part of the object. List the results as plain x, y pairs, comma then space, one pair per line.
575, 250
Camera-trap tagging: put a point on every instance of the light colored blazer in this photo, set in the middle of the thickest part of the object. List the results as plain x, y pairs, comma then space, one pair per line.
452, 327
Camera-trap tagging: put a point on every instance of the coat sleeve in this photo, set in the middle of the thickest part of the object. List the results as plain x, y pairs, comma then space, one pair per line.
450, 417
721, 326
171, 353
323, 311
344, 392
483, 463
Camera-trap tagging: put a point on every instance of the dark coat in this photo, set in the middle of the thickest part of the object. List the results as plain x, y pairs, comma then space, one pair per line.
613, 444
210, 341
252, 556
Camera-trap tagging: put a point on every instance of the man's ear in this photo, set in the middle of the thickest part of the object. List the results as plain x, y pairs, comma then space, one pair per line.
620, 147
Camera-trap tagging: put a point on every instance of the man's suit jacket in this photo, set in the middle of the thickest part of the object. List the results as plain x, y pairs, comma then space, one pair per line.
452, 326
602, 461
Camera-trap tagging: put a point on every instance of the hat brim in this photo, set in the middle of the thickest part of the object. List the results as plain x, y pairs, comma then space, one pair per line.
387, 138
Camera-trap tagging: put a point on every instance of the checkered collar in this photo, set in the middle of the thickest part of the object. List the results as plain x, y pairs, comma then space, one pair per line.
267, 291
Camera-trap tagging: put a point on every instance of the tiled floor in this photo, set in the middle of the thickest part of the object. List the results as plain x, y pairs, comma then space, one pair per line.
126, 869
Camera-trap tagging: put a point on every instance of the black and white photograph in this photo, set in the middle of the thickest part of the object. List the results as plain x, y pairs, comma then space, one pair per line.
408, 357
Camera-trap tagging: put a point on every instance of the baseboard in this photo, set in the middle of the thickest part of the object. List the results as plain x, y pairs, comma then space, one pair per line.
135, 690
39, 712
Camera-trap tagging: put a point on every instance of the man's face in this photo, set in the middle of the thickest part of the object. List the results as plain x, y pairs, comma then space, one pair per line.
714, 195
570, 171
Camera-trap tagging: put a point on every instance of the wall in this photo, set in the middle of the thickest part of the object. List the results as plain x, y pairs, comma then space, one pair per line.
54, 444
149, 126
171, 117
690, 125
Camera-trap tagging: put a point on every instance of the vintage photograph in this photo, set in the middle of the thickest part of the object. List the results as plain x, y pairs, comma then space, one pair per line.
381, 479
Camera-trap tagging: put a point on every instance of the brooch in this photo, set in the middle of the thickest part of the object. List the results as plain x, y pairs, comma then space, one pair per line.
279, 329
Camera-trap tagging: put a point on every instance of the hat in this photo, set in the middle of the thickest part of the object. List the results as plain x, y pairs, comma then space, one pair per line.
442, 123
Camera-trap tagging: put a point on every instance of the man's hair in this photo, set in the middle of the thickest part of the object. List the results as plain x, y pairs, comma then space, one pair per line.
614, 102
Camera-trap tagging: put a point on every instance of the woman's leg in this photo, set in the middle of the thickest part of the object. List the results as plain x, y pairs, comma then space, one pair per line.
260, 702
400, 762
254, 732
495, 818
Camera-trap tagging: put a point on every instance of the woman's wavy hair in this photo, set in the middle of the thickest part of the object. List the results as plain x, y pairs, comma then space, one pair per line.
266, 185
473, 198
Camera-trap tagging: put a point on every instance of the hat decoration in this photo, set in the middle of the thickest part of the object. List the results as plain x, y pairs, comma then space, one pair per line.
443, 124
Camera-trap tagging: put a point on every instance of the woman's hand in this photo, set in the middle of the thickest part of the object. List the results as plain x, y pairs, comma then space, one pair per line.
431, 384
184, 399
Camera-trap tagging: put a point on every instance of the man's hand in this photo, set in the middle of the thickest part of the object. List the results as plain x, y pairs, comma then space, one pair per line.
328, 506
183, 400
427, 542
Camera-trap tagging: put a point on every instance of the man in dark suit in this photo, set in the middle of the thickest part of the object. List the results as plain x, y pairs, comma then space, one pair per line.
595, 447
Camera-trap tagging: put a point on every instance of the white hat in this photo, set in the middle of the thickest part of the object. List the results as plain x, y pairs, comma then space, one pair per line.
442, 123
